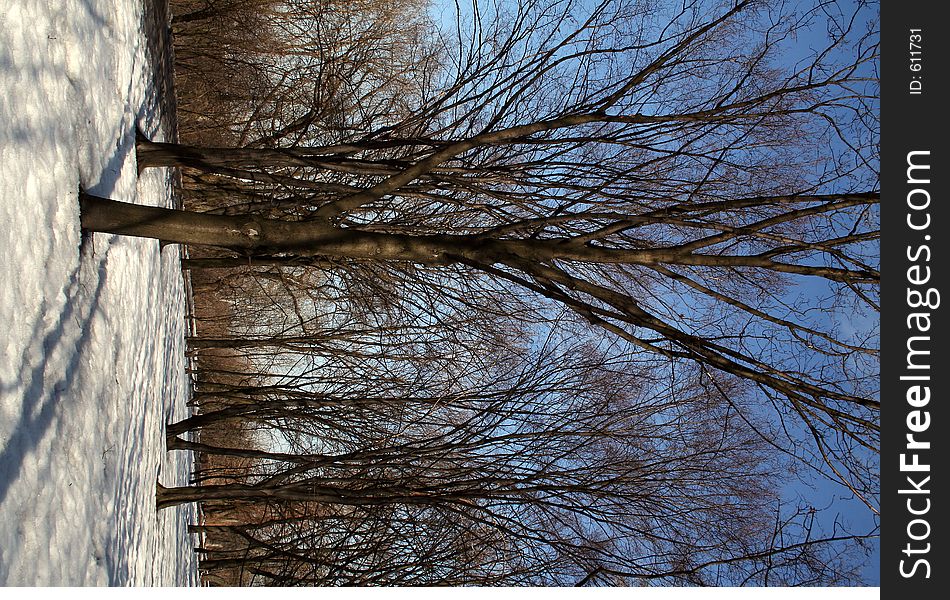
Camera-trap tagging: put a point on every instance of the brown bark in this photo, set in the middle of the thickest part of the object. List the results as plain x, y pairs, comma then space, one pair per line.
171, 496
319, 238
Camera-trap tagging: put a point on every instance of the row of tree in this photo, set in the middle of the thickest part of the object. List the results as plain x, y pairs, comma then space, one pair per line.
401, 455
551, 298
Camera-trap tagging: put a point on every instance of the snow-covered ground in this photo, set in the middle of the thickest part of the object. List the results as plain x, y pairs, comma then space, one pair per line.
91, 328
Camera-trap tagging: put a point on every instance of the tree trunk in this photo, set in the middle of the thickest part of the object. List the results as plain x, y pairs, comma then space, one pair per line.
252, 234
319, 493
172, 430
173, 226
162, 154
172, 496
167, 497
257, 235
176, 443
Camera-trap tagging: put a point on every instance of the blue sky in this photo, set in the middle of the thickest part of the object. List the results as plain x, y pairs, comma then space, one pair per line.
835, 503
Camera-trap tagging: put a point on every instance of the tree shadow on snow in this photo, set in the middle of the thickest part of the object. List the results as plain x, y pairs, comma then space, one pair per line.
39, 397
45, 390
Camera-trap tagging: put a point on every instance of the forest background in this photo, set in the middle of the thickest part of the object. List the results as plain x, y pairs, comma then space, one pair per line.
633, 342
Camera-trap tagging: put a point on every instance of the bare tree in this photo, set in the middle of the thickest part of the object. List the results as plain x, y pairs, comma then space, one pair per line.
262, 72
564, 465
662, 172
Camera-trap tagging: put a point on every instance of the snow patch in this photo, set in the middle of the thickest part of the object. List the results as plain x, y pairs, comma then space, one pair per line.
92, 353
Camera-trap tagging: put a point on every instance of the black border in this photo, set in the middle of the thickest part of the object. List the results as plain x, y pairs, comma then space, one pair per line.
912, 122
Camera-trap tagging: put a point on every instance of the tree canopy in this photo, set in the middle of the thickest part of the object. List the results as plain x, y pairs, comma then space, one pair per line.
681, 178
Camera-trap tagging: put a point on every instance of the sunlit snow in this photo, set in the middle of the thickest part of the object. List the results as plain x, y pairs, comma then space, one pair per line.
91, 350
